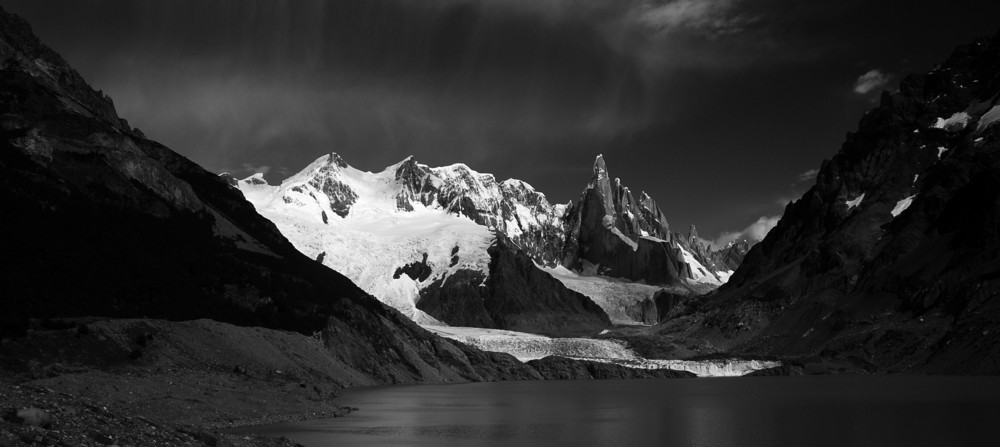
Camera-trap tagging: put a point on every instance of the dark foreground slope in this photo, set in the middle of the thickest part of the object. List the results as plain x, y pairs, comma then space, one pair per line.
851, 272
99, 220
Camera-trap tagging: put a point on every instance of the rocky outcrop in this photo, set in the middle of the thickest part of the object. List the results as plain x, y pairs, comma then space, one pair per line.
890, 261
731, 256
340, 196
658, 307
102, 221
515, 295
610, 233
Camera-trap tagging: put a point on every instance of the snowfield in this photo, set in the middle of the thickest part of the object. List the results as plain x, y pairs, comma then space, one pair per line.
699, 273
375, 239
955, 123
527, 347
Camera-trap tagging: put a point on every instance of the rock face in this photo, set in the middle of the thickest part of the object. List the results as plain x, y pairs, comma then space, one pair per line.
102, 221
891, 260
611, 233
516, 296
731, 256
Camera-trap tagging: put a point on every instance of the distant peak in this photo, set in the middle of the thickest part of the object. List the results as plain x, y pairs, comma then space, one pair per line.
256, 179
515, 183
229, 178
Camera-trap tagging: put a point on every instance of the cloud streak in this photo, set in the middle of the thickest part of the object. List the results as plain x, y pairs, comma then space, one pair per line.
870, 81
808, 175
692, 14
755, 232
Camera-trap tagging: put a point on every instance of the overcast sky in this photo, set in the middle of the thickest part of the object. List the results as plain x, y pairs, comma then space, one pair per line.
720, 109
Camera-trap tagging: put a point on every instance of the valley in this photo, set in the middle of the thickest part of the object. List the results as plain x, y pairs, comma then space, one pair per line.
148, 300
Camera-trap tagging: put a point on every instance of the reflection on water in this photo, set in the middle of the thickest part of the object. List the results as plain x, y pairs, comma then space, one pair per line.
782, 411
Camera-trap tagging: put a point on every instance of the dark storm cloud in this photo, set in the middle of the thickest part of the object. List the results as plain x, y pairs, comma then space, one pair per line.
242, 78
710, 105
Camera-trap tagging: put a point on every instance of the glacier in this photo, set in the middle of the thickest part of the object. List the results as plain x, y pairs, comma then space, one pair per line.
527, 347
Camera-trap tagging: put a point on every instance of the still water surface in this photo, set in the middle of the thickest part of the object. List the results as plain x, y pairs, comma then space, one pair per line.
780, 411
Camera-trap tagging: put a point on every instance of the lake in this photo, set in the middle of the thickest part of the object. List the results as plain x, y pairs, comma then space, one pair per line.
767, 411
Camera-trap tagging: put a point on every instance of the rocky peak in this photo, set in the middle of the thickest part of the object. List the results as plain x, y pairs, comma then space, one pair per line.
608, 229
22, 51
600, 168
693, 234
334, 159
325, 176
230, 179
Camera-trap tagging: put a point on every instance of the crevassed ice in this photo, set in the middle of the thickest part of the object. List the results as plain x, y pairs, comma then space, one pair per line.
526, 347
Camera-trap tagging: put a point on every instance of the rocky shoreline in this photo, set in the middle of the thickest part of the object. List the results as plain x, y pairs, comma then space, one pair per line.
154, 382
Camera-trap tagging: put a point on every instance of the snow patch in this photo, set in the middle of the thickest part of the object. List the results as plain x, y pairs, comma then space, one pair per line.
955, 123
902, 205
375, 238
724, 275
988, 119
857, 201
624, 238
941, 151
699, 274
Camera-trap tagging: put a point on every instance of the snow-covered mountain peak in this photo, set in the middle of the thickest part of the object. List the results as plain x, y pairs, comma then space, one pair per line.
514, 183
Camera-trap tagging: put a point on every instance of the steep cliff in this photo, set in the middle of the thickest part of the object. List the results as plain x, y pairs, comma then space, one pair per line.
892, 260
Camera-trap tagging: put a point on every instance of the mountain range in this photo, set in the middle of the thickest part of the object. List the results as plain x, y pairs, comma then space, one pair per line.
890, 263
452, 245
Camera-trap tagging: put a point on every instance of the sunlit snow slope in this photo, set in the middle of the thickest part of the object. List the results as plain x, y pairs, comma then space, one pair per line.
375, 238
